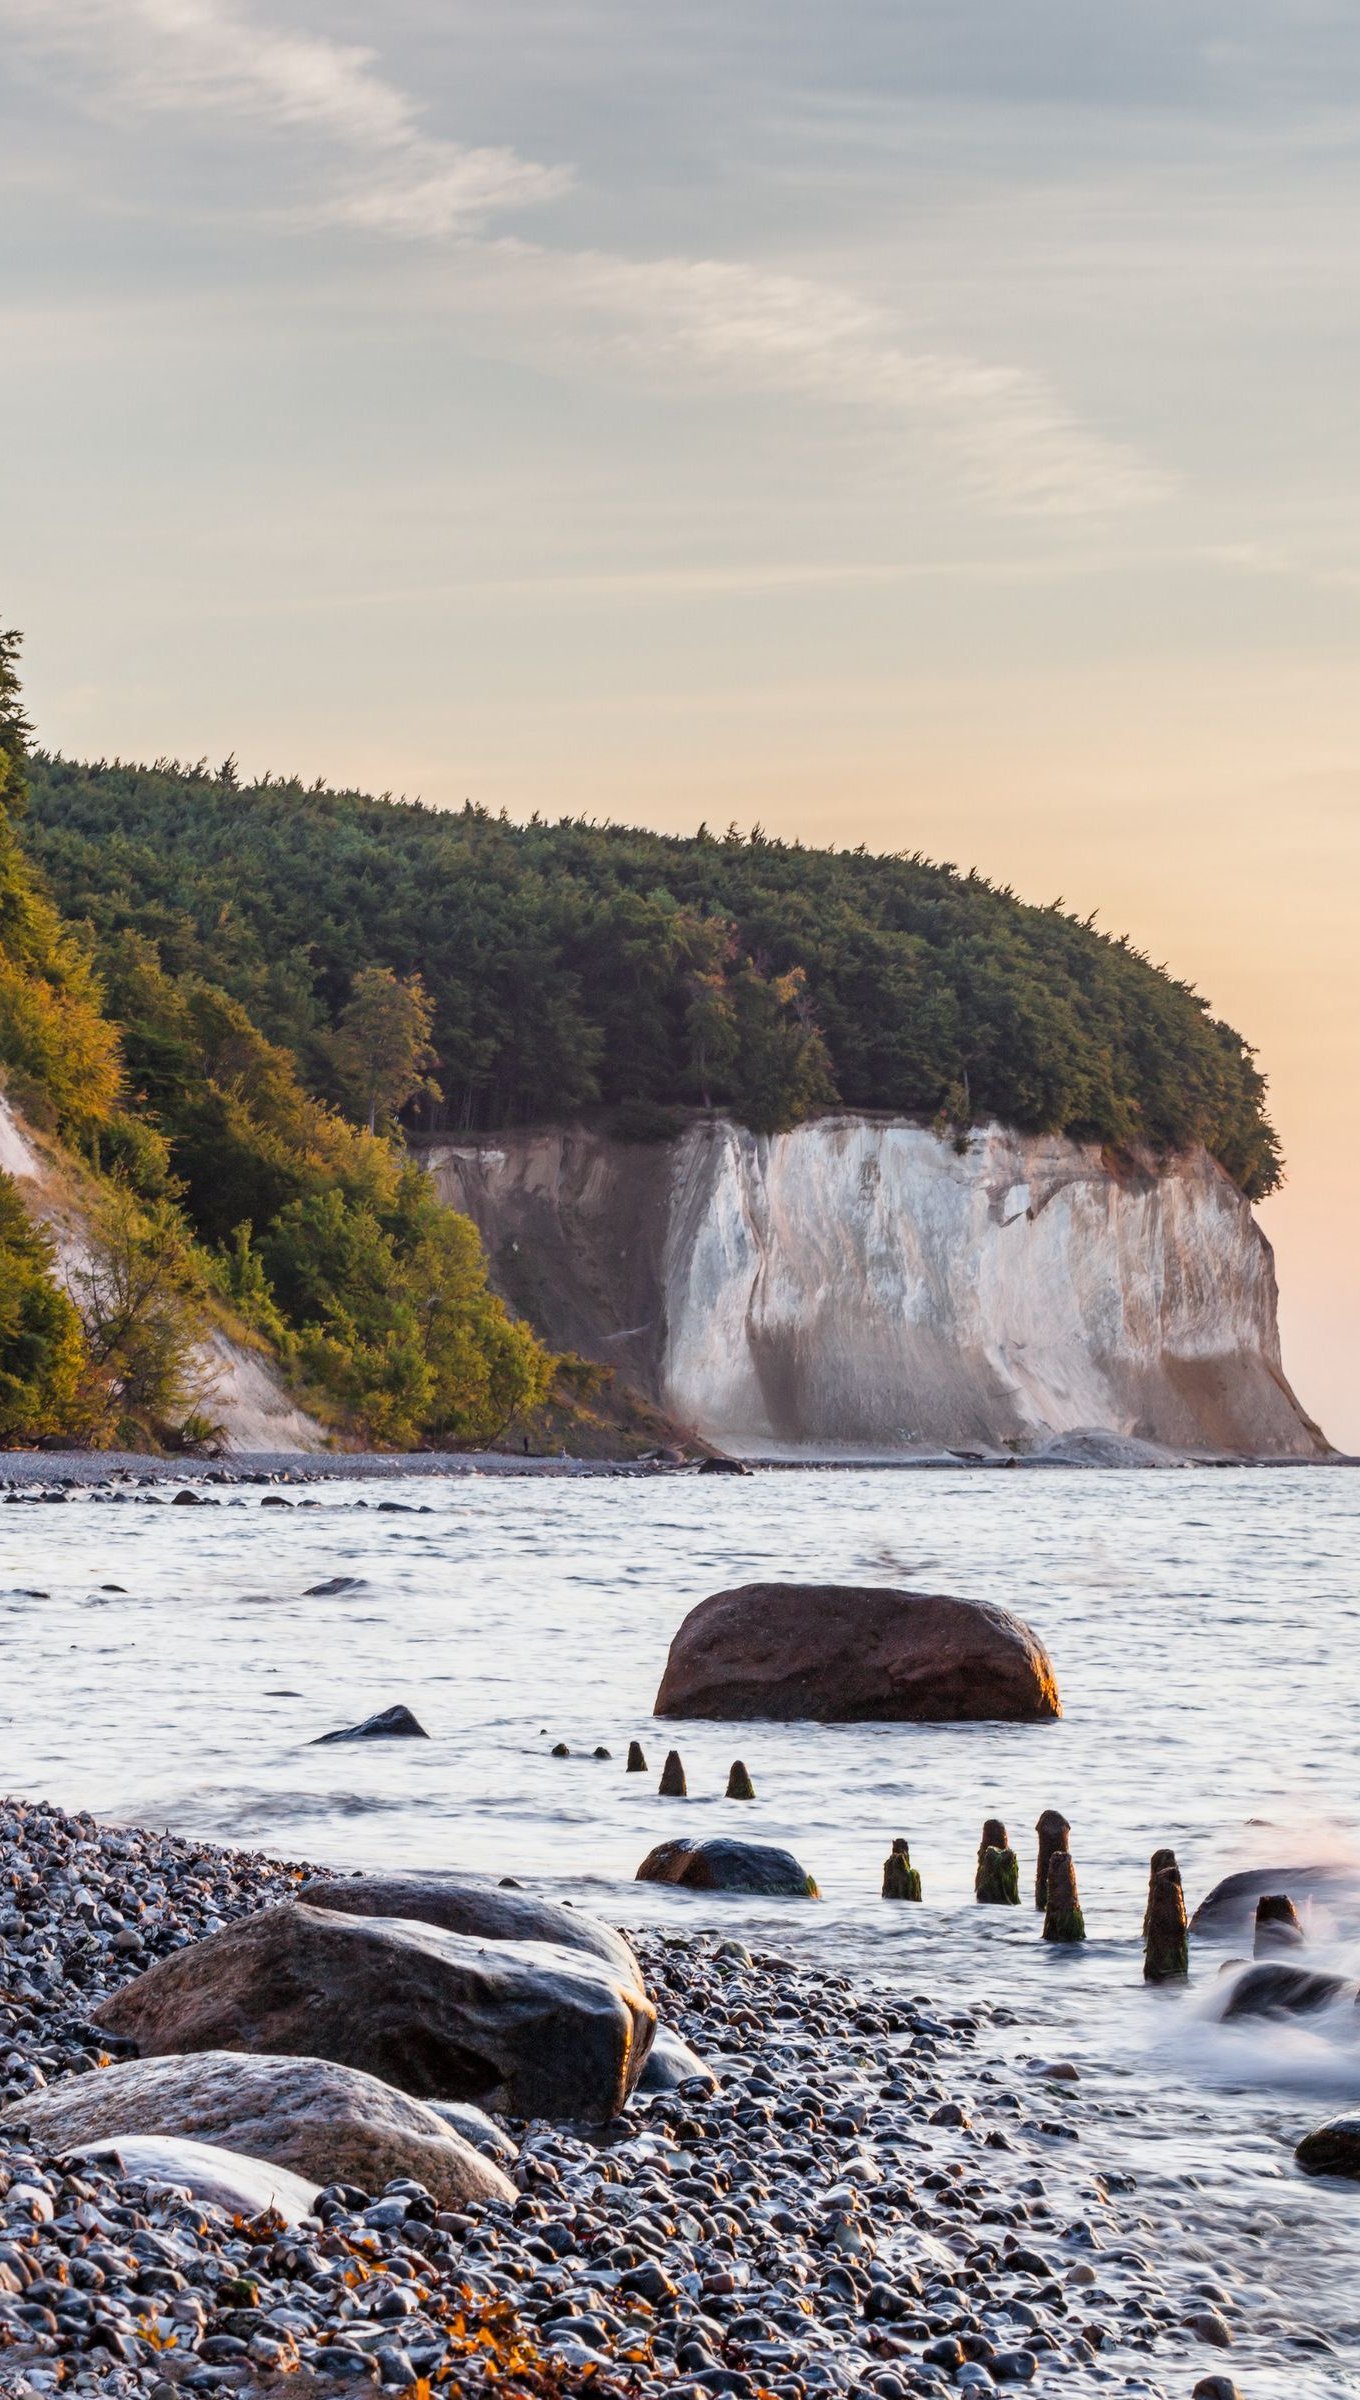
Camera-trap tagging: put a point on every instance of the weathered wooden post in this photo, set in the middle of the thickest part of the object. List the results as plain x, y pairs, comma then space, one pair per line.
1063, 1920
1053, 1831
1166, 1938
997, 1882
739, 1784
901, 1880
673, 1785
637, 1759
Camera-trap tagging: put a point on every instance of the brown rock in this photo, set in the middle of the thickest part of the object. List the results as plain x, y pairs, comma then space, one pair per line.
721, 1865
327, 2123
523, 2027
459, 1904
842, 1655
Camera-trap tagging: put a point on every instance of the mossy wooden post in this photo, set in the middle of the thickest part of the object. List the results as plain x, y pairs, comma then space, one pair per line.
1166, 1938
1063, 1920
739, 1784
637, 1759
901, 1880
673, 1785
1277, 1925
1052, 1830
997, 1883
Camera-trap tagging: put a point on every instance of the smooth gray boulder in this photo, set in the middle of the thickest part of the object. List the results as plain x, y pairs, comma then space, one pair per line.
722, 1865
327, 2123
840, 1654
526, 2028
671, 2062
226, 2179
460, 1904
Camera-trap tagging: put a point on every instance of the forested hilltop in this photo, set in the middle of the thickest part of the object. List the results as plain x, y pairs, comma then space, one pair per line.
521, 972
217, 1195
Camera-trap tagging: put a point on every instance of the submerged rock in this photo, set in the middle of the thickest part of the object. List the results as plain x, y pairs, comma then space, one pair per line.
1269, 1991
391, 1724
327, 2123
728, 1866
523, 2027
843, 1655
460, 1904
1332, 2149
1227, 1913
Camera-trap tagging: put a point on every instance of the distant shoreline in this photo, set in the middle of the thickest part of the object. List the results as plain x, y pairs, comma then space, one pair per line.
22, 1470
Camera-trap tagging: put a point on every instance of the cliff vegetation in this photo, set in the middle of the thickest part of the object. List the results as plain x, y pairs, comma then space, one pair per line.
213, 1187
556, 969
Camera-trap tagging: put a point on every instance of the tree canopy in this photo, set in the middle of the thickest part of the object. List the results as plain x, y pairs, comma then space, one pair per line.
574, 966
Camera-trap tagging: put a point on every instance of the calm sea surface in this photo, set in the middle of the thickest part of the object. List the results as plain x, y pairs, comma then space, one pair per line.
1206, 1633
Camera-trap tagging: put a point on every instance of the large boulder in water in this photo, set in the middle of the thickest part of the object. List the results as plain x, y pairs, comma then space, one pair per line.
721, 1865
1228, 1912
1332, 2149
1281, 1991
326, 2123
521, 2027
460, 1904
846, 1655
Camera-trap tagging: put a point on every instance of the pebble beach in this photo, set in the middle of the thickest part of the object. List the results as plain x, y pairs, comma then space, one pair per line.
856, 2197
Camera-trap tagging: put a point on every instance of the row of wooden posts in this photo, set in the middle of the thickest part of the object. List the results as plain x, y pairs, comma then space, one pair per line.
1166, 1941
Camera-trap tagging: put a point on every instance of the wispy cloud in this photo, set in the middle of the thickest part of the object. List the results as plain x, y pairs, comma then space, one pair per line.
717, 323
191, 58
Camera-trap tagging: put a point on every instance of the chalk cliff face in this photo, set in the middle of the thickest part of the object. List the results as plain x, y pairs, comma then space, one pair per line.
863, 1287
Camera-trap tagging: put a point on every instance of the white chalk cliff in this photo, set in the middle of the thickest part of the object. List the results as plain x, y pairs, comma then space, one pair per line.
863, 1287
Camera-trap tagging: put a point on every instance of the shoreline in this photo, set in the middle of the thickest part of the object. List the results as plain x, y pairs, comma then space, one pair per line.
869, 2194
52, 1471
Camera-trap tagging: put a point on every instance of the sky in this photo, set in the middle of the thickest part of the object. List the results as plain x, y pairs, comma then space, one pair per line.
929, 423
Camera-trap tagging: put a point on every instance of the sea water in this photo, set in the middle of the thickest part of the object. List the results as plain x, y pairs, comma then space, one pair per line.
175, 1666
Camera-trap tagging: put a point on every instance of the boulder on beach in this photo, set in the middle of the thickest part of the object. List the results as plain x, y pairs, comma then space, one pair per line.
460, 1904
390, 1724
1332, 2149
728, 1866
671, 2062
244, 2187
475, 2126
326, 2123
527, 2028
1228, 1912
1278, 1990
841, 1654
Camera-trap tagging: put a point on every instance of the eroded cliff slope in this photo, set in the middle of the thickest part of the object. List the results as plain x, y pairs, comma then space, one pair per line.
864, 1287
